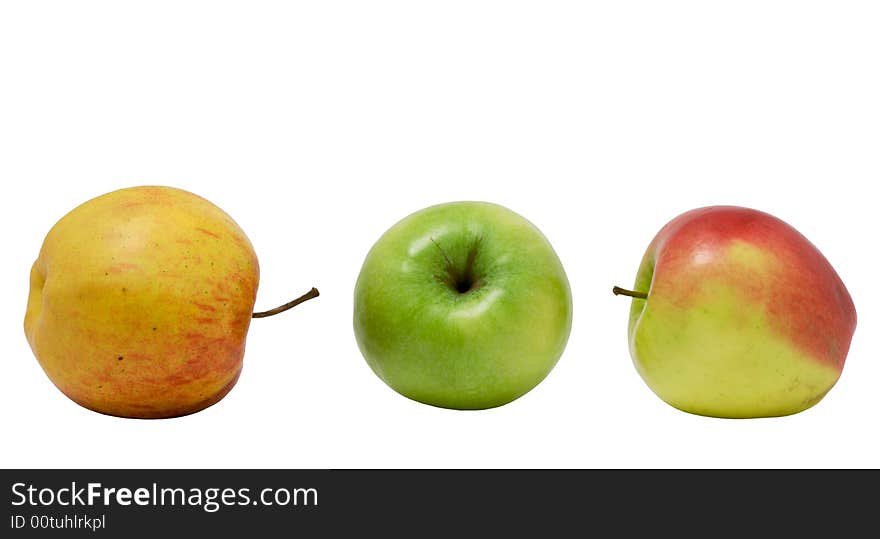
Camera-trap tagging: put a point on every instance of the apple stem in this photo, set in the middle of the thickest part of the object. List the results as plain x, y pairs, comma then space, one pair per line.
311, 294
631, 293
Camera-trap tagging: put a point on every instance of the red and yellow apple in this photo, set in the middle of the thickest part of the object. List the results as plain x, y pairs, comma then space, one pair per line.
140, 302
736, 314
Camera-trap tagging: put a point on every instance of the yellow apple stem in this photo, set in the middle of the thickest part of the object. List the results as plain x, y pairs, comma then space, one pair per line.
631, 293
311, 294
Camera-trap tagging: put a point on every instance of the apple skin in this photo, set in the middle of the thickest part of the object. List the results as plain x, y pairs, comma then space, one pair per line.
744, 316
140, 302
463, 350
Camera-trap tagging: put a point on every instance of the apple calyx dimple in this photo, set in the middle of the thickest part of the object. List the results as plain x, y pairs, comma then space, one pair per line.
311, 294
462, 280
631, 293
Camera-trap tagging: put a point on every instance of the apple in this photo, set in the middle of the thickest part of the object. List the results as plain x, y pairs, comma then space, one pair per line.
140, 302
736, 314
462, 305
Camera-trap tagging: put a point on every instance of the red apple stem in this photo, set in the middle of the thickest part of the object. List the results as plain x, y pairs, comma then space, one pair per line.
311, 294
631, 293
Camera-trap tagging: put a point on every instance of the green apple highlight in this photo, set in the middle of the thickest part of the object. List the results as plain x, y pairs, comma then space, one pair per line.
462, 305
736, 314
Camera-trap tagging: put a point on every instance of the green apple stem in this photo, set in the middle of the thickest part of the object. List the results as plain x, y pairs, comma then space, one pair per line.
631, 293
311, 294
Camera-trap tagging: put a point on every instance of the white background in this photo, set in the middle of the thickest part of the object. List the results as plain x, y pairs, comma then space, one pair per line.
317, 125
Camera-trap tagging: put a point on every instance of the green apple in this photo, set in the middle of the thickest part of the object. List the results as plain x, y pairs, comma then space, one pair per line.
736, 314
462, 305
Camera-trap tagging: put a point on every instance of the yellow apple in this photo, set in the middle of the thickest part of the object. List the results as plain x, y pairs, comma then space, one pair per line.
140, 302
